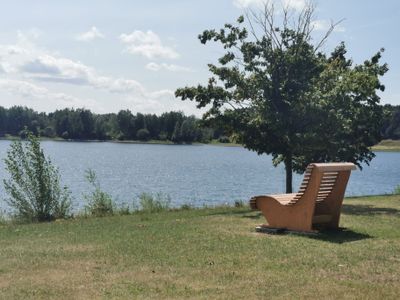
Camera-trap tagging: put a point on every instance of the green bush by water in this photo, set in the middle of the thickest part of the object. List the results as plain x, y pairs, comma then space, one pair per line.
99, 203
396, 190
33, 188
154, 203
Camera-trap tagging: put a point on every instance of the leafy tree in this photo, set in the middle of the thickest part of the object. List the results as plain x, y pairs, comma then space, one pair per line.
143, 134
391, 128
3, 121
189, 130
177, 134
87, 121
126, 124
34, 185
168, 122
278, 94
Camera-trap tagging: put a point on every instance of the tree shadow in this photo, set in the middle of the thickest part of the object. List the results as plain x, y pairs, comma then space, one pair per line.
368, 210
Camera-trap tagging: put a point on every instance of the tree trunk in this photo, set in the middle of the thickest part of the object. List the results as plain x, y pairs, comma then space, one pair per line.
289, 173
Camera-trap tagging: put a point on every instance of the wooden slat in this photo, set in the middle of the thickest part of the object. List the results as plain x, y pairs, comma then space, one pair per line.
330, 184
326, 188
331, 173
324, 192
328, 181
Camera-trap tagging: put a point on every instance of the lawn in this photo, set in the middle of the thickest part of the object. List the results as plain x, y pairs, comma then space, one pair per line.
387, 145
205, 253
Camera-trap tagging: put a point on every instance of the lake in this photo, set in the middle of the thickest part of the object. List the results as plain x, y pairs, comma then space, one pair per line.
190, 174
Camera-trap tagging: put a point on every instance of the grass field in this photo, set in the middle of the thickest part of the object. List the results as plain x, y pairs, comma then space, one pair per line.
387, 145
205, 253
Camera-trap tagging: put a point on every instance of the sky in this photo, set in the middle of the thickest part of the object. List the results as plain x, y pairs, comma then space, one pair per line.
108, 55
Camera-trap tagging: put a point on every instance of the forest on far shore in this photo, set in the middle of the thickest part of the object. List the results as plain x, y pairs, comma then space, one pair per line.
82, 124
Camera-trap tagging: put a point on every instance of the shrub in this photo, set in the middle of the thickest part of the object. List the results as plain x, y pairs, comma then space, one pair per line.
224, 139
186, 206
124, 209
239, 203
99, 203
143, 134
34, 185
154, 203
396, 190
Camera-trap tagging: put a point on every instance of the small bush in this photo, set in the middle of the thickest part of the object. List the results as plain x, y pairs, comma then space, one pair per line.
396, 190
239, 203
3, 219
154, 203
124, 209
99, 203
224, 139
34, 185
143, 134
186, 207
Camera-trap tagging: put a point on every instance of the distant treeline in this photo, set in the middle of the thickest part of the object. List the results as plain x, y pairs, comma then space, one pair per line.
82, 124
391, 122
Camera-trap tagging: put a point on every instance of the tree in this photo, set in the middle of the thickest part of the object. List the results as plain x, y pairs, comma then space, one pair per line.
278, 94
189, 130
126, 124
177, 134
34, 185
143, 134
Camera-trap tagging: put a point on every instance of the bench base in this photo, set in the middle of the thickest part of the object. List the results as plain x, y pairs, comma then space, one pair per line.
274, 230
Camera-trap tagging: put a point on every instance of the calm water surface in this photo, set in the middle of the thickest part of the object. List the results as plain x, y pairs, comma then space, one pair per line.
197, 175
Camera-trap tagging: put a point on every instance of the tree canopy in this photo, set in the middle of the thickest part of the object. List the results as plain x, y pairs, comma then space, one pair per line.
280, 94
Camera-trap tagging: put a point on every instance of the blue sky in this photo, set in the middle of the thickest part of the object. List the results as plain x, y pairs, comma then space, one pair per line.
109, 55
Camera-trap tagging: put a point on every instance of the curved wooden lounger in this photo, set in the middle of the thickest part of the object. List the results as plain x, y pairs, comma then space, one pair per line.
317, 203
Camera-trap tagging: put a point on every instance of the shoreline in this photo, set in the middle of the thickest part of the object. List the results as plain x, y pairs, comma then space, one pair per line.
383, 146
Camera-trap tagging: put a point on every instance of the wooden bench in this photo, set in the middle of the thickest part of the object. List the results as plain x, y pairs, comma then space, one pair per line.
317, 203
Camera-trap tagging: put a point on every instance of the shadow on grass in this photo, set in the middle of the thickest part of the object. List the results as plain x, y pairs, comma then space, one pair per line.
340, 236
250, 214
337, 236
367, 210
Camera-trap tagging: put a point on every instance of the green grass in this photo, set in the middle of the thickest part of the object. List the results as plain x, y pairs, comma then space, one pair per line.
387, 145
204, 253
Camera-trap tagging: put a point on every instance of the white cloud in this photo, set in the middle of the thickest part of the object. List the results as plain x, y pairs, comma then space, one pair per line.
90, 35
247, 3
58, 69
152, 66
147, 44
31, 71
324, 25
34, 92
161, 101
294, 4
291, 4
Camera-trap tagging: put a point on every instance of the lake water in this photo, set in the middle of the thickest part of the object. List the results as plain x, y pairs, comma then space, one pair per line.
197, 174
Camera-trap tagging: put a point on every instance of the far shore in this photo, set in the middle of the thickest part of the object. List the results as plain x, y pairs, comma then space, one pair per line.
383, 146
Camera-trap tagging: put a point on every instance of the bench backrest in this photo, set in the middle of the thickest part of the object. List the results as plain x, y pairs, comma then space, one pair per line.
326, 177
